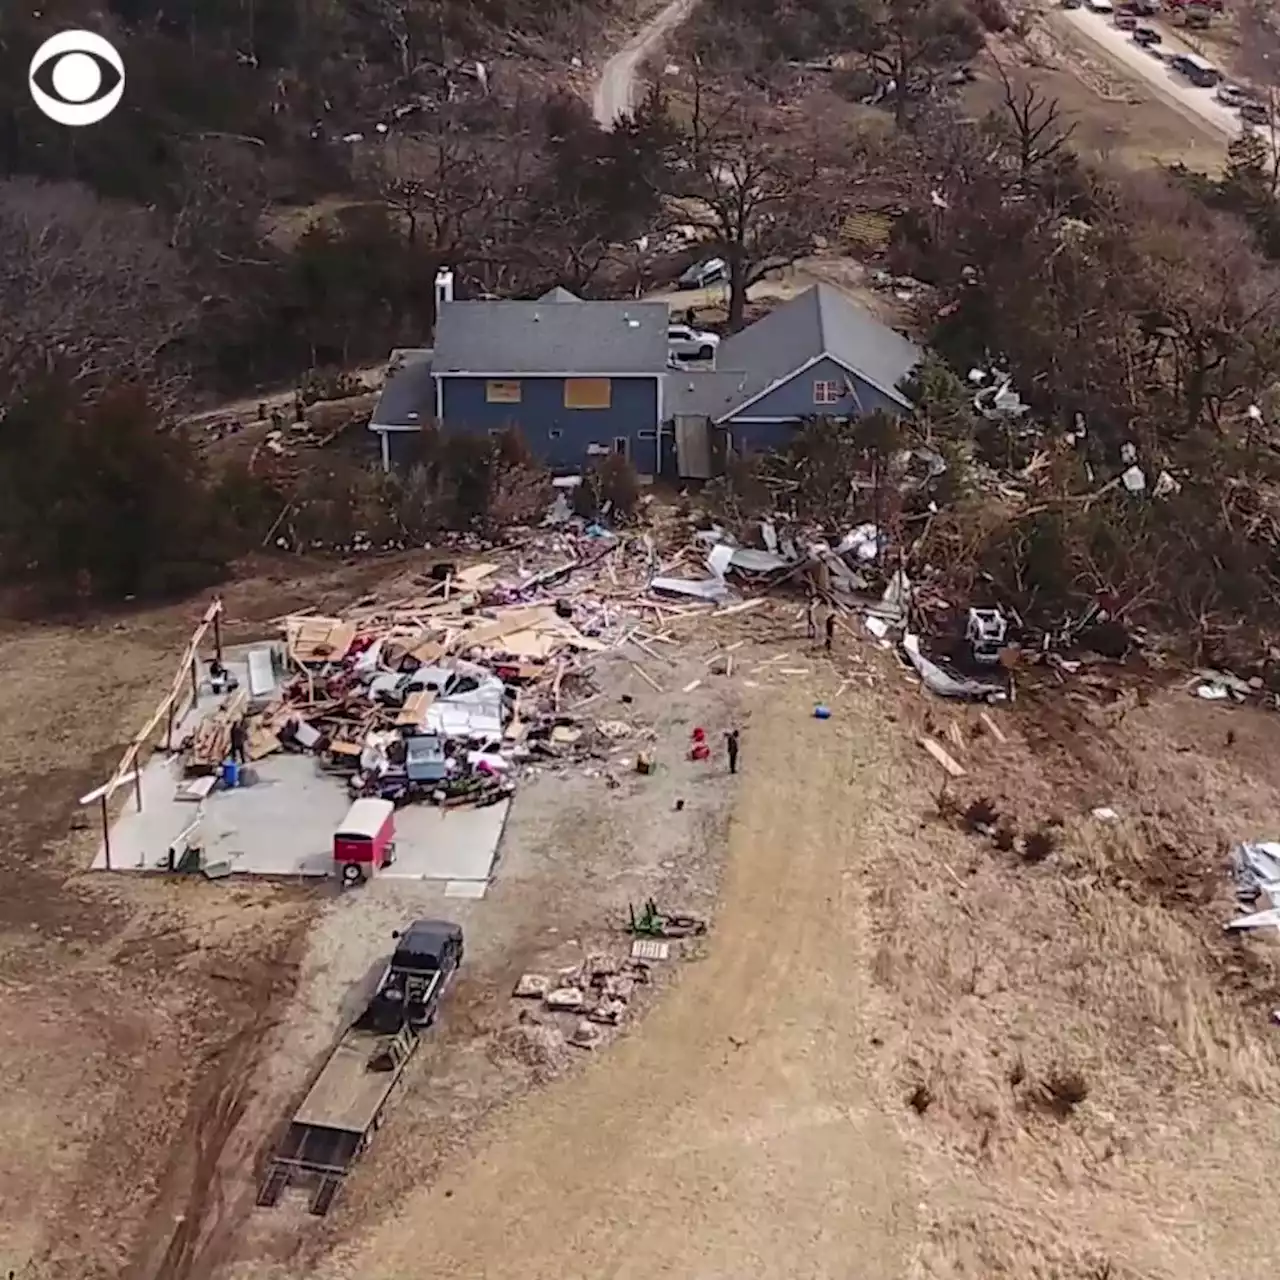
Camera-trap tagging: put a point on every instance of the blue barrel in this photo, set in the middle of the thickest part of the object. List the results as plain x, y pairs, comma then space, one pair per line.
230, 773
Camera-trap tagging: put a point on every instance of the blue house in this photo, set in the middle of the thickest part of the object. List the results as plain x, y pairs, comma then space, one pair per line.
582, 379
818, 355
577, 378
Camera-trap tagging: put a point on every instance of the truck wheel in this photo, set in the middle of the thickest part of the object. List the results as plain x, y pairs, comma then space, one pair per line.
352, 874
706, 353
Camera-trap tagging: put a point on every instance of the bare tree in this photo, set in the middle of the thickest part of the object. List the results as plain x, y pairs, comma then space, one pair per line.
912, 43
761, 197
90, 287
1033, 126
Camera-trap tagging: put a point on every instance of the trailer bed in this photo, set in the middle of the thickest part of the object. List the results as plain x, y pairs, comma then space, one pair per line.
330, 1128
347, 1095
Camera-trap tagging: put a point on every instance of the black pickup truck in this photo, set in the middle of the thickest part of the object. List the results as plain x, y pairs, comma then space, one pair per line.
334, 1122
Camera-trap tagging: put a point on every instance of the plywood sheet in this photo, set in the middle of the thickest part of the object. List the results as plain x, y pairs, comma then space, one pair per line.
319, 639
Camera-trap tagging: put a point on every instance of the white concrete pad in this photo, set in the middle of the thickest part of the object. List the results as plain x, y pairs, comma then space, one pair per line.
283, 825
447, 844
472, 889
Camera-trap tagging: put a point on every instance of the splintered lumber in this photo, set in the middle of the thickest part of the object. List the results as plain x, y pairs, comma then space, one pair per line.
318, 639
739, 608
474, 574
646, 677
210, 742
996, 732
940, 754
415, 707
720, 653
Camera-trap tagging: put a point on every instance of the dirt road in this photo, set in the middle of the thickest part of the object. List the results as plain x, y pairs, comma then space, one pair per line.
616, 90
737, 1132
1198, 105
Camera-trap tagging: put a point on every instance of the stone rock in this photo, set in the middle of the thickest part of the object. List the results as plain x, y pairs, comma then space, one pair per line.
532, 986
570, 998
585, 1035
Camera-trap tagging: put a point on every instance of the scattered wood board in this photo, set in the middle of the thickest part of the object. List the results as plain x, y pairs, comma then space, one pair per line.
940, 754
415, 707
996, 732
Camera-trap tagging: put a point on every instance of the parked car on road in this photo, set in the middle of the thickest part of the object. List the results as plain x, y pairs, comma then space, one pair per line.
1146, 36
1126, 22
702, 274
1196, 69
1101, 6
686, 343
1254, 112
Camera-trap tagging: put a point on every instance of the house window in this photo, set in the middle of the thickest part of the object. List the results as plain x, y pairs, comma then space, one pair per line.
588, 393
554, 433
498, 392
827, 392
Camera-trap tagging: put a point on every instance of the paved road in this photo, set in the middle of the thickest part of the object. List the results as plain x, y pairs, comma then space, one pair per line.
1199, 105
616, 90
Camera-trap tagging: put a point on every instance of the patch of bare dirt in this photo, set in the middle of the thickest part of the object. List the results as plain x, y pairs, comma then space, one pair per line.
133, 1010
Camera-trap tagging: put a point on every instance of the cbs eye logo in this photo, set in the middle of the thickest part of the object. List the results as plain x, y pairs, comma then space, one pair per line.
76, 78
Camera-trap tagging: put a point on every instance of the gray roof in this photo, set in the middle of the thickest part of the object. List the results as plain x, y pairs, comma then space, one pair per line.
408, 398
537, 337
820, 321
559, 294
702, 393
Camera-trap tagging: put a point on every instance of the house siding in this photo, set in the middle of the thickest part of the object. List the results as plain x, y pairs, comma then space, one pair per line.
793, 401
541, 411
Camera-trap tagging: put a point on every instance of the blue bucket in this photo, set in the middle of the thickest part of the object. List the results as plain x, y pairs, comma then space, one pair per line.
821, 712
230, 773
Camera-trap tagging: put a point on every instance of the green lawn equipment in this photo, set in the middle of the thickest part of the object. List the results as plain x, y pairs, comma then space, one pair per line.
652, 923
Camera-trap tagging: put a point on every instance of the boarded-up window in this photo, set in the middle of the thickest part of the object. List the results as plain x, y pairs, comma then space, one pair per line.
587, 393
502, 392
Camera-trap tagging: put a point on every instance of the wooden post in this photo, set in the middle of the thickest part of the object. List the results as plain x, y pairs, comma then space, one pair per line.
168, 733
106, 832
195, 681
137, 783
217, 634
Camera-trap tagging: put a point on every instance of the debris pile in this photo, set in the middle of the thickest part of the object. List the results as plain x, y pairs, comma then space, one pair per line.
445, 695
595, 993
1255, 866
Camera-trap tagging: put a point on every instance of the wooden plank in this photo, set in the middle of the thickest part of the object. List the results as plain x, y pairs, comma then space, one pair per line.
996, 732
415, 707
196, 789
940, 754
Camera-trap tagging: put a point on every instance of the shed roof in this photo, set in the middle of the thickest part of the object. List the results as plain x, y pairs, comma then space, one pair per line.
559, 294
408, 396
561, 337
706, 393
820, 321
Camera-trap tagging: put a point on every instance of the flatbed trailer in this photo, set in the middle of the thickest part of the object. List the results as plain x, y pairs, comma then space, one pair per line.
336, 1119
342, 1109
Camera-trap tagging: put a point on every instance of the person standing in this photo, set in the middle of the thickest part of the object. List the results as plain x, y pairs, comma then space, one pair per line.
239, 740
831, 629
731, 745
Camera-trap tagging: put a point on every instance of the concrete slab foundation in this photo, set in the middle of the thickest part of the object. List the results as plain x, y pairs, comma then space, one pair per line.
283, 825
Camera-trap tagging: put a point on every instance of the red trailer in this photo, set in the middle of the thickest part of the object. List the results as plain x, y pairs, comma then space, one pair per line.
366, 840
